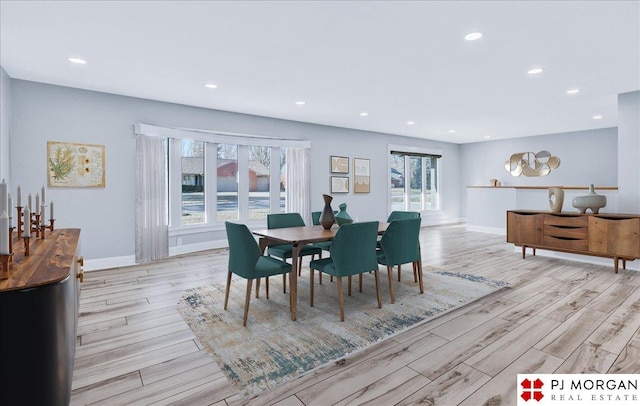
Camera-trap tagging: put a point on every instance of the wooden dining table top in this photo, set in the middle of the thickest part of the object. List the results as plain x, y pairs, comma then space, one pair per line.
305, 234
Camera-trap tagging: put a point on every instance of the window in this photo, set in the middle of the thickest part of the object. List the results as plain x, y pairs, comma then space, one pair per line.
259, 164
210, 183
192, 164
227, 182
413, 181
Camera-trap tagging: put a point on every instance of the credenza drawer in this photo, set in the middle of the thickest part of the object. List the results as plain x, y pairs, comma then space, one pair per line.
566, 221
579, 233
566, 243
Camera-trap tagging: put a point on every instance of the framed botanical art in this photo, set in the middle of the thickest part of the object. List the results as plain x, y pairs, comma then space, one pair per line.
339, 164
361, 175
339, 184
75, 165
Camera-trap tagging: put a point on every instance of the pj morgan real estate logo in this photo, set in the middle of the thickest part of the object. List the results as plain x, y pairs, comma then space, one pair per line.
578, 389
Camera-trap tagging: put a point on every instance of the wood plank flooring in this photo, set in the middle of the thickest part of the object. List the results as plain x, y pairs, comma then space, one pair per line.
557, 316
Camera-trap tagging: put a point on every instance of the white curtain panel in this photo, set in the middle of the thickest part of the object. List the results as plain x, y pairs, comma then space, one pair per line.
152, 228
298, 185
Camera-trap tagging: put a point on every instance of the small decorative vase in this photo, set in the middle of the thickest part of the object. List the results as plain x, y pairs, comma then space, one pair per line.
343, 217
326, 217
591, 201
556, 199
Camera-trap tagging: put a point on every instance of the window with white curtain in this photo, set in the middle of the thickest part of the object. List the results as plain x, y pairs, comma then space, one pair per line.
214, 177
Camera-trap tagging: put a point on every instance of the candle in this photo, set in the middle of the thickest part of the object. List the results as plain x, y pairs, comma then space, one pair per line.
29, 202
42, 194
37, 201
10, 205
19, 196
4, 234
27, 222
51, 211
3, 196
42, 214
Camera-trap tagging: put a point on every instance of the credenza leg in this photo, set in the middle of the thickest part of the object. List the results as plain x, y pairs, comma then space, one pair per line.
615, 264
624, 264
534, 252
524, 251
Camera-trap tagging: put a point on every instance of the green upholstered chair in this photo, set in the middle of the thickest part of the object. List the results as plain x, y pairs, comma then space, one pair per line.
397, 215
400, 245
284, 251
246, 261
315, 218
353, 252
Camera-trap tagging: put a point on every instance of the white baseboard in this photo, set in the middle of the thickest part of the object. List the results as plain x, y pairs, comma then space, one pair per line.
106, 263
490, 230
128, 260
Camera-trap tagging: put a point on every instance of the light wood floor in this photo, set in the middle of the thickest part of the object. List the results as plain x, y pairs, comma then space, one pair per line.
558, 316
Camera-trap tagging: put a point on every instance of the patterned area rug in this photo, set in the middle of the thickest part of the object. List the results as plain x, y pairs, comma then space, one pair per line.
272, 349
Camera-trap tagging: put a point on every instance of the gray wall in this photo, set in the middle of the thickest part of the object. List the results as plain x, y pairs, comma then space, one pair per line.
629, 151
586, 157
5, 124
42, 113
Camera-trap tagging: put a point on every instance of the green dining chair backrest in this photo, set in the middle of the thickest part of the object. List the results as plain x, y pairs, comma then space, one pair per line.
400, 242
353, 249
397, 215
244, 251
282, 220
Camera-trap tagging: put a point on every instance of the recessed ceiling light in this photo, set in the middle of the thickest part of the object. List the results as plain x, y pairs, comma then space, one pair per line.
486, 137
411, 122
211, 86
452, 131
301, 103
78, 61
472, 36
364, 114
573, 91
597, 117
535, 71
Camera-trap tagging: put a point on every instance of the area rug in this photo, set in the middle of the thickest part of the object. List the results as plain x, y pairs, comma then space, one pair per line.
272, 349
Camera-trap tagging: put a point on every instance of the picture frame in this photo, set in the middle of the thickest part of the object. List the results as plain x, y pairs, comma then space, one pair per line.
339, 164
361, 175
75, 165
339, 184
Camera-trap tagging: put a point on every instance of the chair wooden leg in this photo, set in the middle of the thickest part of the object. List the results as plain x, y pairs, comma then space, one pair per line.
300, 267
284, 283
415, 271
349, 285
257, 288
391, 294
360, 283
419, 267
377, 276
340, 298
246, 302
399, 272
266, 285
226, 293
311, 272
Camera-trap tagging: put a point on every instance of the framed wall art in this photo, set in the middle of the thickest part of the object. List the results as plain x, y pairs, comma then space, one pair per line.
361, 175
339, 164
339, 184
75, 165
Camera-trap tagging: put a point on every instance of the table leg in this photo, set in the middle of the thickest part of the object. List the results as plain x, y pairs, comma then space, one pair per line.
293, 281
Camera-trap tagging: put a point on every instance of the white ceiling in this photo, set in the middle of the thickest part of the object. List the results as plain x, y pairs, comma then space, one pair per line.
397, 60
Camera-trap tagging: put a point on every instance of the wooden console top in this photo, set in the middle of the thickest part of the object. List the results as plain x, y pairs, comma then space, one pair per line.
50, 260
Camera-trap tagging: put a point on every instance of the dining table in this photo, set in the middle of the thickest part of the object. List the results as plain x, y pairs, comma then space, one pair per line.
298, 237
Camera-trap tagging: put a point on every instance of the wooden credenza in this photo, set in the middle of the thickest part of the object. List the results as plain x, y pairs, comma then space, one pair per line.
614, 236
39, 320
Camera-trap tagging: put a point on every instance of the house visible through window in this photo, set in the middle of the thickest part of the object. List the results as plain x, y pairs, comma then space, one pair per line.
193, 197
413, 181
